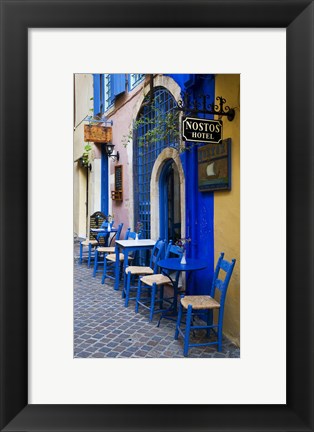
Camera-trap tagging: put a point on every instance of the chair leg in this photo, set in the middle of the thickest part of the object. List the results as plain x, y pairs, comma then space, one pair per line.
187, 331
209, 321
220, 320
89, 254
161, 296
81, 253
95, 263
152, 302
176, 334
127, 289
138, 295
105, 271
125, 281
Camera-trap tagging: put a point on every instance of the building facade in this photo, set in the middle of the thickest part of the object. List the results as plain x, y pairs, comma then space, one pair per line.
158, 173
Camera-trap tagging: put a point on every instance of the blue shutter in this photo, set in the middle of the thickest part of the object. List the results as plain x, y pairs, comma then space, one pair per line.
118, 84
96, 93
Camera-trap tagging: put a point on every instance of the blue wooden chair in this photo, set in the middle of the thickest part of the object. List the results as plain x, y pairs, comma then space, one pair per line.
92, 244
110, 259
105, 250
200, 304
132, 271
155, 285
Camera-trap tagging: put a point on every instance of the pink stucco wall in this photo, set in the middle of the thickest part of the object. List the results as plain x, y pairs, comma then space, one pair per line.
122, 116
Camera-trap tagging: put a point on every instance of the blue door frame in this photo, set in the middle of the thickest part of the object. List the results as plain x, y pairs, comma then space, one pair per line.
199, 206
104, 198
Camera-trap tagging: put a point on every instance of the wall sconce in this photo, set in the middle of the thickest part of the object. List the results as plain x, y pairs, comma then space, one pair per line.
109, 151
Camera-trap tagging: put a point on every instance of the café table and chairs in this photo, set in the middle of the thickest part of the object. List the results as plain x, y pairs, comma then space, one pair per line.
105, 232
171, 265
103, 250
125, 248
114, 261
102, 232
200, 305
154, 285
133, 272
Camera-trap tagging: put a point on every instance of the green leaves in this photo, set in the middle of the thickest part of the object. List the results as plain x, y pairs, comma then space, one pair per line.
155, 126
85, 155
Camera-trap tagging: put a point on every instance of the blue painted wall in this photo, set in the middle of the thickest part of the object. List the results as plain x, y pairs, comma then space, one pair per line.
199, 205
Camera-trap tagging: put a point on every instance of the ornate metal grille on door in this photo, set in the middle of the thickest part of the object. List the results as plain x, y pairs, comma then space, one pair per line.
145, 154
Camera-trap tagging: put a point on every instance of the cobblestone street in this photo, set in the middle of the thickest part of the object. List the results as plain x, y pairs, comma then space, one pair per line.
103, 327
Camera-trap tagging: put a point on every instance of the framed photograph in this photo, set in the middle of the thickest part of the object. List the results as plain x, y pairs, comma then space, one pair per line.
22, 231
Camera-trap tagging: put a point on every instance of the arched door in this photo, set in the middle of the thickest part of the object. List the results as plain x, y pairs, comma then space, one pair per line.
170, 204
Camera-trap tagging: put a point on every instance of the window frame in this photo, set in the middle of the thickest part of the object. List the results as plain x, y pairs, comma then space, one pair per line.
135, 82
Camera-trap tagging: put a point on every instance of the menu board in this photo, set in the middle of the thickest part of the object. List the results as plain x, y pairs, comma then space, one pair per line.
118, 177
117, 194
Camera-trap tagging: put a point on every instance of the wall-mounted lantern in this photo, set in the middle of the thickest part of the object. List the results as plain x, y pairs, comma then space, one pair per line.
109, 152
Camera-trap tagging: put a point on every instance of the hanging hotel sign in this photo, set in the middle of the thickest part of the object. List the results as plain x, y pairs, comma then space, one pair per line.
202, 130
214, 166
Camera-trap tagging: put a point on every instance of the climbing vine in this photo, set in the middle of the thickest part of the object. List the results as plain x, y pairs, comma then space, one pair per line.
155, 127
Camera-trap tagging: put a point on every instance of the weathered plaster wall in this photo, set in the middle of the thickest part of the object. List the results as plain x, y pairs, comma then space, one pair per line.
121, 115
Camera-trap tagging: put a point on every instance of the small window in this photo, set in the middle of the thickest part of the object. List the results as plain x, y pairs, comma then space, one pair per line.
108, 87
134, 80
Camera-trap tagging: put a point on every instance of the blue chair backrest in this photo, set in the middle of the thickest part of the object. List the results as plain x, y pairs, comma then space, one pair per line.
127, 233
104, 224
132, 235
119, 229
157, 254
222, 283
173, 251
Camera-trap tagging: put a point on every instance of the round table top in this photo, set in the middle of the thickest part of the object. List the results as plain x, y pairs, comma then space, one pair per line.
174, 264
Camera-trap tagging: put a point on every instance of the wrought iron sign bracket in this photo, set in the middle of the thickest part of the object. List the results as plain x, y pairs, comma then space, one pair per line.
201, 106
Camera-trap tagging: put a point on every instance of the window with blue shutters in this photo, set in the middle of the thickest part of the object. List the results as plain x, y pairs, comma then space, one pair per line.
114, 85
108, 91
144, 155
134, 80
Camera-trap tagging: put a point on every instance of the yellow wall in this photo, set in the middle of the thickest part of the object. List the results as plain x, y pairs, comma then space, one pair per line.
227, 207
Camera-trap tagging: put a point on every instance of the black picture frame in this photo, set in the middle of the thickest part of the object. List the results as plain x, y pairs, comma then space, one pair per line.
16, 17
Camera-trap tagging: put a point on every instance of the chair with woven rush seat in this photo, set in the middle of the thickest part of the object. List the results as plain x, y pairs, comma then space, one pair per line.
110, 259
154, 283
196, 305
105, 250
98, 219
132, 271
90, 244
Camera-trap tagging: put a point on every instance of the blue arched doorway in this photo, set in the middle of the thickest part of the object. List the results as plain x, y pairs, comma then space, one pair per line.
170, 202
145, 155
